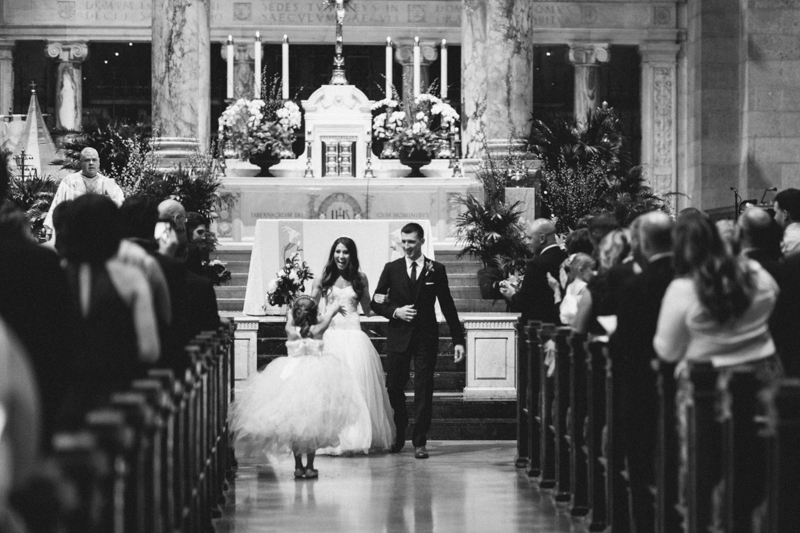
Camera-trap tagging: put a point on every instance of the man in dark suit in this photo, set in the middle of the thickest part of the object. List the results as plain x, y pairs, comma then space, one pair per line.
535, 299
410, 286
639, 304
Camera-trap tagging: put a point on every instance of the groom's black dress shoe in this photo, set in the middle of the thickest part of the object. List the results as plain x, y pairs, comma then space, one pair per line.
396, 447
420, 452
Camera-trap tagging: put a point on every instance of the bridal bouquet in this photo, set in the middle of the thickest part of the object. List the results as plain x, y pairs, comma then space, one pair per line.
250, 127
422, 125
290, 281
216, 271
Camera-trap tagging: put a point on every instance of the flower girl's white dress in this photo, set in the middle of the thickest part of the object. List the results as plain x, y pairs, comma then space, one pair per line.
298, 403
344, 340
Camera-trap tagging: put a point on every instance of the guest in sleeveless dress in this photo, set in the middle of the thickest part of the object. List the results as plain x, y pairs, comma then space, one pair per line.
344, 285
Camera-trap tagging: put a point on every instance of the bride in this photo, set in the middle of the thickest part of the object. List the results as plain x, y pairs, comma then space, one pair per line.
342, 281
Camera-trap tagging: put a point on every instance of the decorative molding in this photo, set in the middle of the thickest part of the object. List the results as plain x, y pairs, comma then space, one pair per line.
663, 88
588, 54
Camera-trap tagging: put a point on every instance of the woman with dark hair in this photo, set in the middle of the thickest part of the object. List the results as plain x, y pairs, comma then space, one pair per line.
718, 306
113, 299
342, 283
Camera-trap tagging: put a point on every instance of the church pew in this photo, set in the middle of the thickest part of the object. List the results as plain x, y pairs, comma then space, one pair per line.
617, 498
578, 393
547, 444
668, 519
595, 431
533, 351
561, 408
523, 399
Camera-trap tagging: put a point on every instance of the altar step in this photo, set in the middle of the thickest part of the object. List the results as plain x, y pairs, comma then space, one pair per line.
461, 273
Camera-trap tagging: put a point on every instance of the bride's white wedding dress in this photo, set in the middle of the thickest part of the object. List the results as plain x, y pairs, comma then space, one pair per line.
345, 340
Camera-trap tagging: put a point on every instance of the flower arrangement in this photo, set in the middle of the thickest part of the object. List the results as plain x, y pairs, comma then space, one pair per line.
216, 271
265, 124
427, 131
290, 281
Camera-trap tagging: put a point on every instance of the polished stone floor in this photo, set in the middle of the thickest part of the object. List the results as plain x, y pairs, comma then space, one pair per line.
465, 486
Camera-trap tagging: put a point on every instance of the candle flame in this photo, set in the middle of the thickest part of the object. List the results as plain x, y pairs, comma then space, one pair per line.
286, 38
258, 36
416, 41
230, 39
388, 41
444, 43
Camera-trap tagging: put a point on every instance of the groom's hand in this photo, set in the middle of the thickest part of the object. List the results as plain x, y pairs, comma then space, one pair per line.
405, 313
459, 351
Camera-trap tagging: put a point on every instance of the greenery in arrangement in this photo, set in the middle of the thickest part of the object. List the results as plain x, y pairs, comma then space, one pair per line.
423, 124
265, 125
33, 196
115, 143
586, 169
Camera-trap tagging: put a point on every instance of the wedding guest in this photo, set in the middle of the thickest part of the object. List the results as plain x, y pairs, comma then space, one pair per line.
717, 307
639, 303
88, 180
535, 298
787, 214
196, 229
579, 241
173, 241
601, 225
581, 269
113, 299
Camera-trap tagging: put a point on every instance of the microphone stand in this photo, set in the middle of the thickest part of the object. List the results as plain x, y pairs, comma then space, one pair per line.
736, 201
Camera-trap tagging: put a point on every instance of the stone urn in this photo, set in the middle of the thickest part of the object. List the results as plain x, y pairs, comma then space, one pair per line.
415, 159
241, 168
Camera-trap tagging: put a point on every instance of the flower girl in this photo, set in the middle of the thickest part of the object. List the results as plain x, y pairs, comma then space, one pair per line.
302, 402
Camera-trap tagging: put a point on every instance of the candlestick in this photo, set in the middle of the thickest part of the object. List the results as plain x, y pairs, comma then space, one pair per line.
230, 53
389, 67
416, 67
257, 57
285, 77
443, 77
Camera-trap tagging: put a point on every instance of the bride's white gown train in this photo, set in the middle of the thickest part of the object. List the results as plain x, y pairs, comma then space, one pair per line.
344, 339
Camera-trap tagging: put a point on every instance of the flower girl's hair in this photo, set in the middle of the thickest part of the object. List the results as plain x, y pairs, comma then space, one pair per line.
304, 312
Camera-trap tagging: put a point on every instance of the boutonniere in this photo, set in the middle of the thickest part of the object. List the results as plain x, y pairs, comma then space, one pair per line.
428, 268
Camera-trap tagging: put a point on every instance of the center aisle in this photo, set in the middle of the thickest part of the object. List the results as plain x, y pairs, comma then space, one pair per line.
465, 486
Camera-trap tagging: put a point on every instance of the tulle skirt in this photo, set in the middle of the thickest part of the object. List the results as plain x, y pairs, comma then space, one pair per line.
298, 404
374, 427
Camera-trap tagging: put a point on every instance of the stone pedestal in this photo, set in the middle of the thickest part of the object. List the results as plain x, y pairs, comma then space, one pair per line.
491, 356
404, 54
7, 77
659, 115
69, 82
586, 57
180, 69
243, 65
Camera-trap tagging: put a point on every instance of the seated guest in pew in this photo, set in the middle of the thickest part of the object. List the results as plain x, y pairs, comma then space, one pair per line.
535, 298
113, 299
632, 350
717, 308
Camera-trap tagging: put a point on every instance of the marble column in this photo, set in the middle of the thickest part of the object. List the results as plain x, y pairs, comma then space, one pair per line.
659, 115
497, 37
7, 77
181, 64
243, 66
69, 81
586, 57
404, 54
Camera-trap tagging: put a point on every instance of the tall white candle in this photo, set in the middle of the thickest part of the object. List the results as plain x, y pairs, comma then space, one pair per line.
257, 56
389, 67
443, 77
285, 75
416, 67
229, 53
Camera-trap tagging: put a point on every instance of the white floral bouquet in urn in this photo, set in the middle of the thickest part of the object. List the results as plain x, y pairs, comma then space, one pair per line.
290, 282
422, 125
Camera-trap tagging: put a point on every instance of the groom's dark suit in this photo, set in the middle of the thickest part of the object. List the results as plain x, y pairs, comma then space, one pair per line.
418, 339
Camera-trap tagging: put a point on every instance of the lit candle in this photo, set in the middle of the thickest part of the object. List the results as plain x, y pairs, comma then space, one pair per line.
257, 57
389, 67
285, 77
229, 58
416, 67
443, 77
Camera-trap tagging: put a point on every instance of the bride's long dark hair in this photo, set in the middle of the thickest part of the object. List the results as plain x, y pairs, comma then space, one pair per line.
352, 272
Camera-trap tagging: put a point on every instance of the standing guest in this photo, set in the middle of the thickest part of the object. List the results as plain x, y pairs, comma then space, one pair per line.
759, 237
113, 299
88, 180
601, 225
536, 299
197, 253
173, 243
639, 302
717, 308
787, 214
414, 283
581, 270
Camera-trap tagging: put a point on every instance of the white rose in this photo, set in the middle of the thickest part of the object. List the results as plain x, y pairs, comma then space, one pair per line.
273, 285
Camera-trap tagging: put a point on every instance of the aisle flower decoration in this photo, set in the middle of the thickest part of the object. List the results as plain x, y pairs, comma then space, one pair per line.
428, 130
264, 125
290, 282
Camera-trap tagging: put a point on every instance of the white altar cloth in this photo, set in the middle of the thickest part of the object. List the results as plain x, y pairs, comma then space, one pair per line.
378, 242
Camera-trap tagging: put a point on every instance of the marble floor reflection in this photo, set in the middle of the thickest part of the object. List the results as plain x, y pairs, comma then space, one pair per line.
465, 486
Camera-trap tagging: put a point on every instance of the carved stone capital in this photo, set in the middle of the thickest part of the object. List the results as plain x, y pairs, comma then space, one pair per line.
242, 52
74, 52
404, 54
7, 49
659, 52
588, 54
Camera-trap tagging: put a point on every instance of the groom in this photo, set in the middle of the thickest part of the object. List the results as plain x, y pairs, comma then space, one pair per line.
412, 284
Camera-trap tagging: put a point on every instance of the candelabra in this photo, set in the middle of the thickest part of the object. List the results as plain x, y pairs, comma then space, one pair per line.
309, 173
456, 160
368, 173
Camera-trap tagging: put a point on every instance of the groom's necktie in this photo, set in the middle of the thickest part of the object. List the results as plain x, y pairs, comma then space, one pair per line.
414, 273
